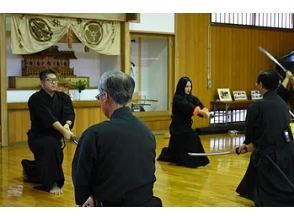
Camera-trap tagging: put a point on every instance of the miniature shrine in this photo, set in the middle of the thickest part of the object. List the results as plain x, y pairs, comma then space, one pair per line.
33, 64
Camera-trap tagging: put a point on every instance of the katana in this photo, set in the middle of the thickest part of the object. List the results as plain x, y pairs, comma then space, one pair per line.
272, 58
73, 139
236, 151
291, 113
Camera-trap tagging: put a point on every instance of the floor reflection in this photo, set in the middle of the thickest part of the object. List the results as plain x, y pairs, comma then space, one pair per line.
225, 143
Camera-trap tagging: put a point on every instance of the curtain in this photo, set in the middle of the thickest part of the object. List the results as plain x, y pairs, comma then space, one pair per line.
33, 33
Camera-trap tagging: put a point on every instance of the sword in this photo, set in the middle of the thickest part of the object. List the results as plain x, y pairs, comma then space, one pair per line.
73, 139
272, 58
236, 151
291, 113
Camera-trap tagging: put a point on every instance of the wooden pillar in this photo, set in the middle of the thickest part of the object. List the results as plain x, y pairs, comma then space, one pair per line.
125, 48
3, 84
139, 66
176, 49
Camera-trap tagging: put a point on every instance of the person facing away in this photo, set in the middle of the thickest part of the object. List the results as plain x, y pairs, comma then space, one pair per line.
183, 138
52, 116
269, 178
286, 90
114, 163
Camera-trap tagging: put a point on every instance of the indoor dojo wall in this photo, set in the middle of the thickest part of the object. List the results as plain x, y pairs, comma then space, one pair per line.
234, 58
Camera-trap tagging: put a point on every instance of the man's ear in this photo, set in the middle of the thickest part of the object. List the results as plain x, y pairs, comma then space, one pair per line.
107, 99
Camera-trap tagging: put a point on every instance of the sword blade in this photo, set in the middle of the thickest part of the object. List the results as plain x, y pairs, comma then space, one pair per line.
272, 58
212, 153
291, 113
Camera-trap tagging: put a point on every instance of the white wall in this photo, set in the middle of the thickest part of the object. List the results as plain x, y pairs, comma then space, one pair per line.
87, 63
91, 63
155, 22
24, 95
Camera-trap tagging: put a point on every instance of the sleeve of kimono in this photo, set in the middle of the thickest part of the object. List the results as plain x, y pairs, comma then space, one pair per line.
40, 109
188, 107
197, 102
283, 93
251, 119
68, 110
84, 162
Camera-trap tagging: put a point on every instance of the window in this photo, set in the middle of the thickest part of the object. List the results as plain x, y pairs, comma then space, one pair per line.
271, 20
150, 70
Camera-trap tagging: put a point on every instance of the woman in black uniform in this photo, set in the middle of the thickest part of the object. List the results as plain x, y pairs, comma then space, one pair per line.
183, 138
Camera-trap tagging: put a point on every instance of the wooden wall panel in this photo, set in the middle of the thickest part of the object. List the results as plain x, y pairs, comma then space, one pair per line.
19, 122
235, 58
191, 55
3, 83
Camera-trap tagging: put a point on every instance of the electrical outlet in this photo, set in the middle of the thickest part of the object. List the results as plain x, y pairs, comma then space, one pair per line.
209, 83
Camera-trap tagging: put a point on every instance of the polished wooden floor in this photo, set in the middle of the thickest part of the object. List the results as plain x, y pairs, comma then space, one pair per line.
212, 186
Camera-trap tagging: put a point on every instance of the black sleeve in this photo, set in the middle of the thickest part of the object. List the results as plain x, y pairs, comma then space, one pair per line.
184, 105
84, 162
197, 102
250, 121
68, 110
283, 93
41, 110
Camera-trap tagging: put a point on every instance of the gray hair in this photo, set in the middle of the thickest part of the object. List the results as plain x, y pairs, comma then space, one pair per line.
118, 85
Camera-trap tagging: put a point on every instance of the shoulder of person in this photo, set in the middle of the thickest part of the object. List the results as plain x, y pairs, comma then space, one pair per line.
257, 103
35, 95
178, 97
195, 97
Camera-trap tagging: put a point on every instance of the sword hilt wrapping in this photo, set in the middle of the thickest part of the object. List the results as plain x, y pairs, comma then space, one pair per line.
238, 151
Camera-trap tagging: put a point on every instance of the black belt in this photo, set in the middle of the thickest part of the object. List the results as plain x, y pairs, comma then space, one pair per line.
131, 198
108, 204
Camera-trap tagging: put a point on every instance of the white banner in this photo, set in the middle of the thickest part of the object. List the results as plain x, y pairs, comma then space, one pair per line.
32, 33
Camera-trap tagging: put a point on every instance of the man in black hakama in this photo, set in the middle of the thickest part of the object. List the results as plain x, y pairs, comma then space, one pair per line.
269, 178
52, 116
114, 163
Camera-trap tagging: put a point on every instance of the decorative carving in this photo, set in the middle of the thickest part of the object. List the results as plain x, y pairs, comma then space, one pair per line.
33, 64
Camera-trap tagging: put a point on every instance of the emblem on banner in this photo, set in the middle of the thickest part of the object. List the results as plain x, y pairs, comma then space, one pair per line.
40, 30
93, 32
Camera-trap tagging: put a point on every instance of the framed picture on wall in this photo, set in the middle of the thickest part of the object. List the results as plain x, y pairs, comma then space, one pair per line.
224, 94
239, 95
255, 94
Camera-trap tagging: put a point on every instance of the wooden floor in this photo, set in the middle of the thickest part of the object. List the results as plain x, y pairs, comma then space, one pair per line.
211, 186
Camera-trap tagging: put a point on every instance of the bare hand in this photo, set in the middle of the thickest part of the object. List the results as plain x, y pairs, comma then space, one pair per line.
89, 202
67, 134
246, 148
66, 126
206, 115
288, 74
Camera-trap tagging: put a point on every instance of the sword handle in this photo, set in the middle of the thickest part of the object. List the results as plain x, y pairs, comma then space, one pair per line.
73, 139
238, 150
